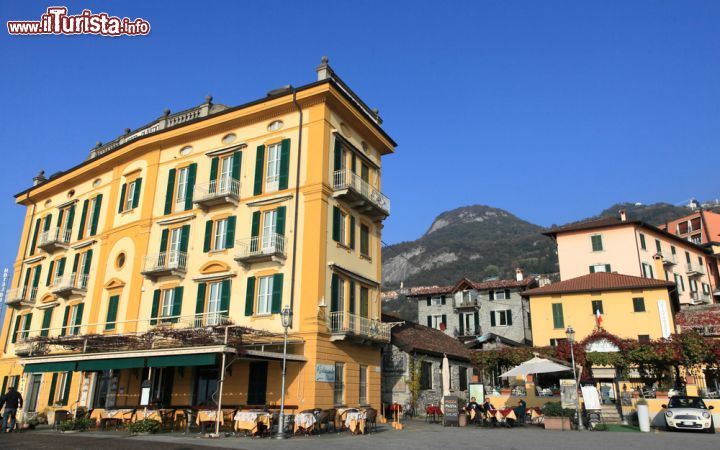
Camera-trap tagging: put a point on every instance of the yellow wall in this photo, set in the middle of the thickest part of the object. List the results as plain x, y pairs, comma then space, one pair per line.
618, 318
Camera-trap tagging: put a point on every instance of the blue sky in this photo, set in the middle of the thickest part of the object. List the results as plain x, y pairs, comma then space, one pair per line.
552, 110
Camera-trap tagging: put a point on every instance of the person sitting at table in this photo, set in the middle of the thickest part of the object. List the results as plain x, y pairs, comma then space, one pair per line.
487, 407
519, 413
472, 409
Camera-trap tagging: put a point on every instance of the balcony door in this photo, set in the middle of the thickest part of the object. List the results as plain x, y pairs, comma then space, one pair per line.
269, 230
213, 318
33, 392
173, 256
225, 174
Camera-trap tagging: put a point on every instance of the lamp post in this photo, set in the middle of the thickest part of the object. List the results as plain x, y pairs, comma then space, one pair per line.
286, 316
570, 333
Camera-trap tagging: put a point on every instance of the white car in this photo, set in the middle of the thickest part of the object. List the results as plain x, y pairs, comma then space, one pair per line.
688, 413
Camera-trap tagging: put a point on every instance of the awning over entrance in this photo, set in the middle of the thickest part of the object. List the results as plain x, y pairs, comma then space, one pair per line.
59, 366
206, 359
114, 363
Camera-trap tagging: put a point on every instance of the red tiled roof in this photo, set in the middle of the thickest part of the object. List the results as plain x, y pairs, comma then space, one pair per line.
429, 290
499, 284
412, 337
601, 281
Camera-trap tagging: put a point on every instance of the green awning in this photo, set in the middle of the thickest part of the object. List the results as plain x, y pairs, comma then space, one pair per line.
60, 366
203, 359
108, 364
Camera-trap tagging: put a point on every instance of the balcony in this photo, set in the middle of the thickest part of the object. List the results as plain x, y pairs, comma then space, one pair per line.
22, 296
669, 260
695, 270
465, 303
360, 194
70, 285
52, 240
699, 297
172, 263
217, 192
261, 249
344, 326
467, 332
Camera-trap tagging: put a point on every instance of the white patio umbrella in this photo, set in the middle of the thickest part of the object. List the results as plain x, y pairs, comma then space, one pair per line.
535, 365
446, 376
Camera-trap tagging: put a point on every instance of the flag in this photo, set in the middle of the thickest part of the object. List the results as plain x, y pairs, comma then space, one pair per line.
598, 318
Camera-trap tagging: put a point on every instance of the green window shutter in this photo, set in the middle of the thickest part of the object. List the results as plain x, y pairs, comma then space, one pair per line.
49, 274
35, 236
68, 383
477, 322
47, 320
66, 319
442, 300
70, 219
88, 262
53, 383
351, 299
214, 168
607, 268
277, 293
61, 266
462, 325
642, 241
334, 293
190, 188
508, 316
336, 224
250, 296
592, 269
429, 301
123, 190
96, 215
236, 163
36, 278
255, 229
4, 385
60, 218
83, 217
169, 191
429, 321
28, 321
16, 329
492, 295
163, 240
112, 312
75, 263
184, 238
225, 297
48, 221
558, 319
200, 299
353, 166
352, 232
280, 221
177, 304
136, 197
155, 307
364, 301
230, 233
492, 318
208, 235
78, 318
337, 160
259, 163
444, 319
284, 164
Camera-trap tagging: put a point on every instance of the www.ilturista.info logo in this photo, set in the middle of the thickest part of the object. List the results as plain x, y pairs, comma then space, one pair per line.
56, 21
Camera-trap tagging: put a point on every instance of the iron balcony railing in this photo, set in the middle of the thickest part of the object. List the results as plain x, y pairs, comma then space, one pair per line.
465, 303
345, 323
172, 260
61, 235
265, 245
347, 179
74, 281
466, 332
669, 258
216, 188
700, 297
695, 269
21, 294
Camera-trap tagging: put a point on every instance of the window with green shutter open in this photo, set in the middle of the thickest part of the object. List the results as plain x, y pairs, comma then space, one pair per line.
557, 312
130, 195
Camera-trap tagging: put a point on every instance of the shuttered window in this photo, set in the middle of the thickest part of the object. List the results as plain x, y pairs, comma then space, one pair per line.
642, 242
597, 305
638, 304
558, 319
597, 244
112, 312
130, 195
364, 240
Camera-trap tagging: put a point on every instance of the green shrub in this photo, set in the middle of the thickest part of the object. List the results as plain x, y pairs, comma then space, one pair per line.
554, 409
84, 423
66, 425
601, 427
144, 426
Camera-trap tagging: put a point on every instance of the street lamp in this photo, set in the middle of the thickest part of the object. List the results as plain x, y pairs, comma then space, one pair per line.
286, 317
570, 333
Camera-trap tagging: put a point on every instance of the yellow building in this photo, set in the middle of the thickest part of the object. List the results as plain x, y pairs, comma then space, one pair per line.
631, 307
176, 246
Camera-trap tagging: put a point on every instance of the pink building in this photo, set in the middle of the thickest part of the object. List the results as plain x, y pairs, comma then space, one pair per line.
633, 247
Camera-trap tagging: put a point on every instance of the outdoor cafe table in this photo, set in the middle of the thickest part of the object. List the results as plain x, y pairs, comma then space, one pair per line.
208, 415
355, 422
152, 414
536, 415
106, 415
502, 415
434, 411
340, 416
250, 421
304, 422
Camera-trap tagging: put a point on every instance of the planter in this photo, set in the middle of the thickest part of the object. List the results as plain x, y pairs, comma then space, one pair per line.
505, 391
661, 394
557, 423
462, 420
643, 413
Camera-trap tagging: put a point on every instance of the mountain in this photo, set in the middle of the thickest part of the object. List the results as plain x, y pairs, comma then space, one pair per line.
481, 241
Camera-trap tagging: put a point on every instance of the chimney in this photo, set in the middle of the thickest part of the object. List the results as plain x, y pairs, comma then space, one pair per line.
519, 274
39, 178
660, 272
323, 70
623, 215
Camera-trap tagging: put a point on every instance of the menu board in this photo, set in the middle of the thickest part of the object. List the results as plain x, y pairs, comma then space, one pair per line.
450, 406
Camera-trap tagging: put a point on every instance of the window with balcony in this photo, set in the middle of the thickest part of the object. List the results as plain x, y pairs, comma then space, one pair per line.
638, 304
272, 165
72, 319
55, 271
596, 242
213, 302
469, 323
166, 305
693, 286
31, 283
22, 327
47, 321
501, 318
264, 295
339, 385
363, 385
130, 195
112, 311
364, 302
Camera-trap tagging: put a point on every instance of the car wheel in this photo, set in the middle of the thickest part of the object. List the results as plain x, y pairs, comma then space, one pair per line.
668, 428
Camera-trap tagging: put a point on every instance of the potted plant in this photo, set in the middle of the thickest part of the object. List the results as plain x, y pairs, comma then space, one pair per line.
144, 427
557, 417
643, 415
462, 415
